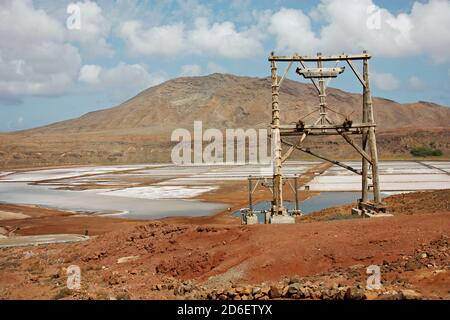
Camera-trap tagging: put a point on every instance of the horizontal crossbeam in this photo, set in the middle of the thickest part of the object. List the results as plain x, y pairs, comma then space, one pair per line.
295, 133
321, 58
326, 126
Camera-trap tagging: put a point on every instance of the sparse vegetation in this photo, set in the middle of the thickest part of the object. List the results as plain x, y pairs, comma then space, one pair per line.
35, 268
64, 292
426, 152
123, 296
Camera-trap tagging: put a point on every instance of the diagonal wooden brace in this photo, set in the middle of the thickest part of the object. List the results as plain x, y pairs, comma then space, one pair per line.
308, 151
355, 146
293, 147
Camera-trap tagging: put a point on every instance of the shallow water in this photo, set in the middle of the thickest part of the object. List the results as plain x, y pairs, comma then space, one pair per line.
90, 201
319, 202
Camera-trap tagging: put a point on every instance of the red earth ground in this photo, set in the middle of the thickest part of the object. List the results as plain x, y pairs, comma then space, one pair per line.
217, 253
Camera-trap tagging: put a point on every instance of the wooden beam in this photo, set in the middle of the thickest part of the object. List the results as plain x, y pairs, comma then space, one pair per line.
355, 146
327, 126
317, 155
320, 58
317, 133
319, 73
356, 72
285, 73
292, 148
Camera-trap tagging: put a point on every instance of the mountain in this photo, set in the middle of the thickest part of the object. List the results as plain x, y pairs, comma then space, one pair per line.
139, 129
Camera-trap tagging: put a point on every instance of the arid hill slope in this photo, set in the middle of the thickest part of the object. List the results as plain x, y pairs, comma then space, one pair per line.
139, 129
228, 101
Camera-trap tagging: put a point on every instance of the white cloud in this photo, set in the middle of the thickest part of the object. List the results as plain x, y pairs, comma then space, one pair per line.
215, 68
385, 81
34, 57
94, 30
122, 76
90, 74
191, 70
292, 29
431, 25
164, 40
220, 39
223, 39
416, 83
355, 25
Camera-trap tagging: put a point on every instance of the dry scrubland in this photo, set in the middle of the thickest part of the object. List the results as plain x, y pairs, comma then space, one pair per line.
216, 258
323, 256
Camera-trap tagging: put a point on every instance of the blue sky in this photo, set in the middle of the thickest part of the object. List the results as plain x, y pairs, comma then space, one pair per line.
52, 71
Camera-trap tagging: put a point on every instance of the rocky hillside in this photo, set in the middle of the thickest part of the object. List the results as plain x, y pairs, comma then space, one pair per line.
139, 129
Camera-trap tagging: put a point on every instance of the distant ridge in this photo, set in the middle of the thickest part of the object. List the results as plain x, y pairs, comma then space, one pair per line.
139, 129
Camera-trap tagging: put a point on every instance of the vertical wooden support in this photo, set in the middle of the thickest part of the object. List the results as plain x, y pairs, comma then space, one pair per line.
365, 117
296, 193
372, 140
250, 191
277, 208
322, 94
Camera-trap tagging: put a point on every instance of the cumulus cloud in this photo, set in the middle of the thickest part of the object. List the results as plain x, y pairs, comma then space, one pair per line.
292, 29
355, 25
385, 81
416, 83
90, 74
164, 40
219, 39
191, 70
35, 59
215, 68
223, 39
94, 30
123, 76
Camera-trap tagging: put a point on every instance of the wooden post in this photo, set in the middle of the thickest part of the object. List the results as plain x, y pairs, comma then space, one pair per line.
371, 138
250, 191
366, 102
277, 171
296, 192
322, 94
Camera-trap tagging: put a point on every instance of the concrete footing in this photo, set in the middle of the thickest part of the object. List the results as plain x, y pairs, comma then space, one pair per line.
251, 219
282, 219
369, 213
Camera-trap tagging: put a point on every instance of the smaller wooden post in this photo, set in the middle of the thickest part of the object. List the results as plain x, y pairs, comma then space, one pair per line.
322, 94
366, 102
296, 192
250, 191
372, 140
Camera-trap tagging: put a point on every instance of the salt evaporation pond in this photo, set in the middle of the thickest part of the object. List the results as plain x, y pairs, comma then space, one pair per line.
93, 201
